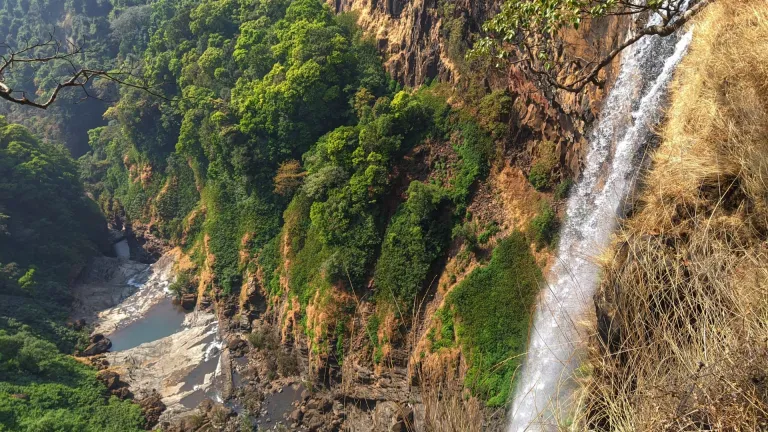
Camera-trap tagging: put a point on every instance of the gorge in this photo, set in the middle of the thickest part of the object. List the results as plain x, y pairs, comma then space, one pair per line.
358, 215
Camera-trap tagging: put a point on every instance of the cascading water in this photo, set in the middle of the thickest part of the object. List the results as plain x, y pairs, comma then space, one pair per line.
631, 110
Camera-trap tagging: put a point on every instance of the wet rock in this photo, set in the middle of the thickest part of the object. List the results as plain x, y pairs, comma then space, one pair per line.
165, 364
188, 301
97, 337
103, 345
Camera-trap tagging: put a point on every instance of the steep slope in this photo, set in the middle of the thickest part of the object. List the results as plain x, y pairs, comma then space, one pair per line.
342, 225
681, 318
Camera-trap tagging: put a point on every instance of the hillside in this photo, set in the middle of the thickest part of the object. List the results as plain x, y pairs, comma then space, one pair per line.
49, 231
683, 286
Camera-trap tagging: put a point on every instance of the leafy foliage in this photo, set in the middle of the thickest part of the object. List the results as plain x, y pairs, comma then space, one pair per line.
544, 226
491, 311
84, 22
414, 239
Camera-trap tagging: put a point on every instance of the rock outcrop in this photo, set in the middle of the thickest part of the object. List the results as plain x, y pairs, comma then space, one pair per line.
99, 345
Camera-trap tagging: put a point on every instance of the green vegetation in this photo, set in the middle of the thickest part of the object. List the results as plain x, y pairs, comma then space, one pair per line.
531, 33
86, 22
562, 190
491, 310
544, 227
540, 175
49, 229
446, 332
280, 154
414, 239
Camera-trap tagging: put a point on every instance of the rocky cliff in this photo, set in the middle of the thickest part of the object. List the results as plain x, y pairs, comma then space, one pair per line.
426, 40
412, 386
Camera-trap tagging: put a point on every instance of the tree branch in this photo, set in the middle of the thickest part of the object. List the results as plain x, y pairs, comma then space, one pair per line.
67, 52
658, 30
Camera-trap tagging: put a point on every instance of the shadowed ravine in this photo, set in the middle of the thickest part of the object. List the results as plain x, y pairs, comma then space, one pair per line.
632, 109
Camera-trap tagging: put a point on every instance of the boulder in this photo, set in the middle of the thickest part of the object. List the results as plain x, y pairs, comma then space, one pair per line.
109, 378
152, 406
123, 393
97, 337
188, 301
235, 343
296, 416
103, 345
313, 420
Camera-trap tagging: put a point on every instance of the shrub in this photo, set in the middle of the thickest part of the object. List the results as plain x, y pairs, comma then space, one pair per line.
495, 111
261, 338
544, 227
540, 174
491, 230
287, 363
562, 190
414, 239
183, 284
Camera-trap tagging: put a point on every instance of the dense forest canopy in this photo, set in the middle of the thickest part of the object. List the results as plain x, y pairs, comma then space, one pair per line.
287, 127
92, 35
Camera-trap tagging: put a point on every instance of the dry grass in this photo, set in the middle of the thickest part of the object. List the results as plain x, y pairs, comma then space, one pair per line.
683, 307
446, 410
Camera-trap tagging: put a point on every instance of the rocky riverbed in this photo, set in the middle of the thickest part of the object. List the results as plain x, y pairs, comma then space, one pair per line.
156, 348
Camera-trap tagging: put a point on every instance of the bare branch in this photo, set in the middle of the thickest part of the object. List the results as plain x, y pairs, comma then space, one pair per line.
658, 30
52, 50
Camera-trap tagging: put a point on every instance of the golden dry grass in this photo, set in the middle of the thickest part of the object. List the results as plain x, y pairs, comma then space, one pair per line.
683, 307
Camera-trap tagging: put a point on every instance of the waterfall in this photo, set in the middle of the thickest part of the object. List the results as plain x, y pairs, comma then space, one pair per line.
629, 113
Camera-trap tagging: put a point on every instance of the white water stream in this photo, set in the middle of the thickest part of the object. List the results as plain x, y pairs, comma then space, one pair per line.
631, 110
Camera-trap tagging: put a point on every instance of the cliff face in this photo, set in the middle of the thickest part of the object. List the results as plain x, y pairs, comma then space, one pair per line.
421, 41
424, 40
384, 369
410, 33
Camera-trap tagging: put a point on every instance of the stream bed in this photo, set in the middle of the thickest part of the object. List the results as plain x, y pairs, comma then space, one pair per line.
156, 346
